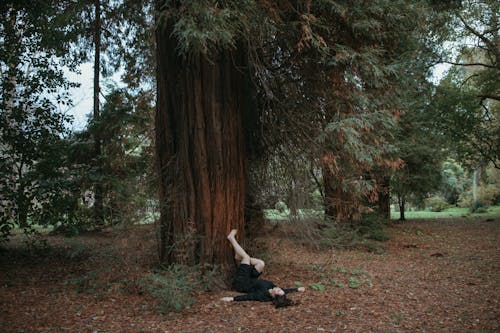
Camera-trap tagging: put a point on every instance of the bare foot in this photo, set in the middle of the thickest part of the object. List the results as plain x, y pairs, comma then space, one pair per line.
232, 234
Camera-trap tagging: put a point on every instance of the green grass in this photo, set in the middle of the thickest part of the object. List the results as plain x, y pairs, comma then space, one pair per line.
454, 212
274, 214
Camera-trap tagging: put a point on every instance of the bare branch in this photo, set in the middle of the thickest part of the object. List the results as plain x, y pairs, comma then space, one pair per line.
495, 97
469, 64
481, 36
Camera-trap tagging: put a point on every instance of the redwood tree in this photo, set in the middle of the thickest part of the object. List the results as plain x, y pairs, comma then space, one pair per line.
199, 136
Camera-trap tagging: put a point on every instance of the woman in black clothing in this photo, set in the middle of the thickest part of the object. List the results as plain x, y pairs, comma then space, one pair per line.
247, 280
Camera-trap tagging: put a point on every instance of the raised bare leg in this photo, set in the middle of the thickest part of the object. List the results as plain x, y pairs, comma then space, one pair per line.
258, 264
240, 253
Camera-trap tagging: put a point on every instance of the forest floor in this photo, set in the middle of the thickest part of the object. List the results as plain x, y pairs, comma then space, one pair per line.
432, 276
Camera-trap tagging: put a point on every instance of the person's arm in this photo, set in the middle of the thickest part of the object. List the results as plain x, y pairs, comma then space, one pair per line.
261, 296
293, 290
240, 298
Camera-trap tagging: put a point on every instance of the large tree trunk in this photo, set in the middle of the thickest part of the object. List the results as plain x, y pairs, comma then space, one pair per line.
200, 155
340, 203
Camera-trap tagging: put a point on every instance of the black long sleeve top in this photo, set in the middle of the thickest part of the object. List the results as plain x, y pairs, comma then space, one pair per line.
260, 292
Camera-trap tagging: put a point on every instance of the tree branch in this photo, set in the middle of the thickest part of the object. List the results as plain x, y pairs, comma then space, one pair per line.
485, 96
489, 43
470, 64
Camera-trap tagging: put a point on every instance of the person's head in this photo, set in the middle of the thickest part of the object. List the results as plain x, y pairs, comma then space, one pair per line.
276, 291
280, 301
279, 298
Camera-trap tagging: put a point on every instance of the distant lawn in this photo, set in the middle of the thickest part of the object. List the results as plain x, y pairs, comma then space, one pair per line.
454, 212
493, 211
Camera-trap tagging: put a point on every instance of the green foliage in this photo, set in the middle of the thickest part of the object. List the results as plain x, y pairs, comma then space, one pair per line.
317, 286
454, 212
478, 207
35, 183
436, 204
172, 288
339, 277
80, 219
124, 166
467, 100
204, 27
468, 123
298, 284
281, 207
455, 181
372, 226
366, 234
84, 283
420, 150
487, 191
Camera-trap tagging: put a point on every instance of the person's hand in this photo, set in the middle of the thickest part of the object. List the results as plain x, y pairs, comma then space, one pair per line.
301, 289
227, 299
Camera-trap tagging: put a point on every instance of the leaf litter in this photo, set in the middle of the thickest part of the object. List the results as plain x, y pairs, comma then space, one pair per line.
433, 276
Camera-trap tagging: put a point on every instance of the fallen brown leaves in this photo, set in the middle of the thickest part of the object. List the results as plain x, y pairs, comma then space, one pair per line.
409, 288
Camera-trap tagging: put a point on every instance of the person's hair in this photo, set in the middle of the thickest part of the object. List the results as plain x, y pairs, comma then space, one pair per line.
280, 301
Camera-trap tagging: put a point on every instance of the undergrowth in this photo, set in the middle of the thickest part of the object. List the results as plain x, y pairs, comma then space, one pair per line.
174, 286
367, 234
338, 277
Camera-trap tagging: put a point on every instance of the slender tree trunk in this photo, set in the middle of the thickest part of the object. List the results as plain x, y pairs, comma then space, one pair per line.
474, 187
401, 202
329, 194
384, 198
98, 188
200, 155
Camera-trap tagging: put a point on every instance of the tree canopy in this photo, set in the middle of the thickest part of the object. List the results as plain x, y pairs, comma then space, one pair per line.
325, 105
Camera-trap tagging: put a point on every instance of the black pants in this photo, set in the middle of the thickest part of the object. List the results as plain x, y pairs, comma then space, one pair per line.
245, 278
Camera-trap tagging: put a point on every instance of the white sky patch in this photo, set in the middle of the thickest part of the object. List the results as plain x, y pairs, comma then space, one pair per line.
82, 96
439, 72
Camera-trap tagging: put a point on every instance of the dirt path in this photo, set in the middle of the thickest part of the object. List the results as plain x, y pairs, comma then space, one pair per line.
434, 276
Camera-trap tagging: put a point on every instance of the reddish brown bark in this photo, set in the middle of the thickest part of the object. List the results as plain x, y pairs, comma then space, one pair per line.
339, 202
384, 198
199, 147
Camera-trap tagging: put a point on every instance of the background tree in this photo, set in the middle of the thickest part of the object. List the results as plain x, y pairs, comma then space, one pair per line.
35, 42
116, 36
468, 98
455, 181
331, 76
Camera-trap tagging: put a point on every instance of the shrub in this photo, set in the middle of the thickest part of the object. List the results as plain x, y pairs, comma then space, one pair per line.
436, 204
465, 199
372, 226
281, 207
326, 235
172, 288
479, 207
489, 194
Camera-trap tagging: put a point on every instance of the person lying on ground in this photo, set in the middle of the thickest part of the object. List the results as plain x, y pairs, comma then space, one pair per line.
246, 280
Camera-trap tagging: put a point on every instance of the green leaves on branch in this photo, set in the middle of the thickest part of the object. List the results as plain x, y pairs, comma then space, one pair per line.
203, 27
